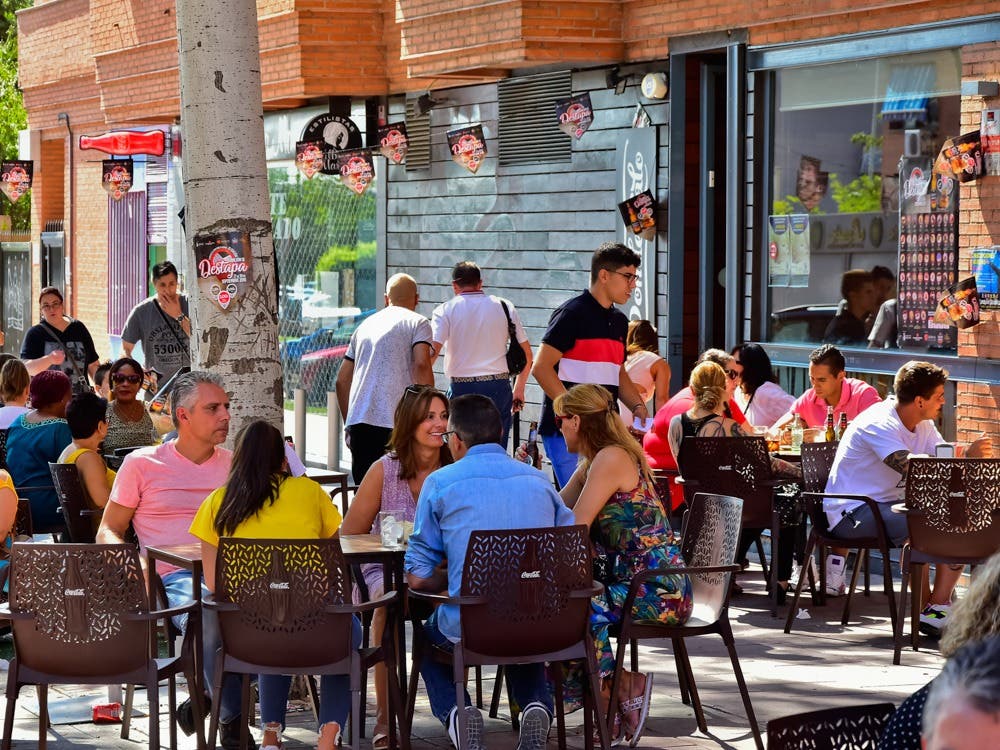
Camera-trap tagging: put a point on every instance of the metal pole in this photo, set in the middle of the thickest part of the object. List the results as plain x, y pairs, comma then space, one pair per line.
334, 425
300, 423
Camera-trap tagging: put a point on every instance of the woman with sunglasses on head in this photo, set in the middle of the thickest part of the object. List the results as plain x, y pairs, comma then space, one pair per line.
417, 446
612, 492
760, 397
59, 342
129, 423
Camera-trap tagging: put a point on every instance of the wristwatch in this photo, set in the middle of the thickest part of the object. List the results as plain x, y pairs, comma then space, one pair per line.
181, 318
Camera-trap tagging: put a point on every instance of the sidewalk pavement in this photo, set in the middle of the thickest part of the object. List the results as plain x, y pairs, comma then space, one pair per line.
821, 664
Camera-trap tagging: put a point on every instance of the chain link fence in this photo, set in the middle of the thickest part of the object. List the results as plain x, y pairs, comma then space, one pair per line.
324, 239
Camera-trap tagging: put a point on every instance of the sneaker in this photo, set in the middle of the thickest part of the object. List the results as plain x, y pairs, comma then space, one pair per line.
797, 570
535, 723
835, 569
474, 726
933, 618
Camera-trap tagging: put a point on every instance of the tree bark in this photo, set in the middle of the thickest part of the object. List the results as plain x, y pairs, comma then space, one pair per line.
226, 191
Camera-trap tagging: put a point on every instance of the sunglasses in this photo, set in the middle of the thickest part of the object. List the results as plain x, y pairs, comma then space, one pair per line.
732, 374
560, 418
416, 390
133, 379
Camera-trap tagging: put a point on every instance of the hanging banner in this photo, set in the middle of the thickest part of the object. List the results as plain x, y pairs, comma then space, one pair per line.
986, 269
357, 169
393, 142
798, 250
310, 157
339, 134
468, 147
778, 251
639, 213
225, 267
15, 178
575, 115
117, 177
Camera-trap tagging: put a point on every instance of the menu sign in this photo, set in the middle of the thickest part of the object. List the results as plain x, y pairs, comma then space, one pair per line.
15, 178
928, 254
575, 115
117, 177
468, 147
357, 169
225, 267
393, 142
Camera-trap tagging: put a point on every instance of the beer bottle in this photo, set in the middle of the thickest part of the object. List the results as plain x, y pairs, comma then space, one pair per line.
843, 425
531, 448
831, 434
75, 599
159, 403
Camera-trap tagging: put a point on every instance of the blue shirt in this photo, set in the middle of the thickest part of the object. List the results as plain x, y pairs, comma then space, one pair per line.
485, 490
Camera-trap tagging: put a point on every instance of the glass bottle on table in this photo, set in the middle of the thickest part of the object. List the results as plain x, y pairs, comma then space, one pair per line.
842, 427
798, 431
831, 434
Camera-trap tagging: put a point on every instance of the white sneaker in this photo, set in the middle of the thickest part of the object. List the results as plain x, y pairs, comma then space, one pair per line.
835, 569
933, 618
474, 725
797, 571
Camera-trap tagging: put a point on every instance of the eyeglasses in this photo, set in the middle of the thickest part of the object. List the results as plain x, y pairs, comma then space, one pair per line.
416, 390
631, 278
52, 305
732, 374
119, 379
446, 435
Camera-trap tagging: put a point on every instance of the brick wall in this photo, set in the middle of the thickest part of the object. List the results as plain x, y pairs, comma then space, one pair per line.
90, 283
979, 226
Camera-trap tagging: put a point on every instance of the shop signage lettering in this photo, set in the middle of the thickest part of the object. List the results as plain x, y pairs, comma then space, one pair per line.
225, 267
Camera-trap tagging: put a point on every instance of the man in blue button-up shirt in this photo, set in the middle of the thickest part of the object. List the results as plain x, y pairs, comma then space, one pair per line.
485, 489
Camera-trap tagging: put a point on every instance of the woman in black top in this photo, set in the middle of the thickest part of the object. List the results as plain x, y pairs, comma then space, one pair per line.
59, 342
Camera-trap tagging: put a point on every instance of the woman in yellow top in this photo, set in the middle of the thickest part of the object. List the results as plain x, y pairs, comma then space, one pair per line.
261, 501
8, 513
85, 415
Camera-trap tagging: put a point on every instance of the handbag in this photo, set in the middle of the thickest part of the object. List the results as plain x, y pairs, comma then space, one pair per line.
517, 360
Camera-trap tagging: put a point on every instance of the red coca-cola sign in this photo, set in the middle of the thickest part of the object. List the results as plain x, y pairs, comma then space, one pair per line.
126, 142
225, 266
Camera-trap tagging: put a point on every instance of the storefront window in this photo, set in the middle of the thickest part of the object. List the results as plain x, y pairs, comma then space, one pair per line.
844, 134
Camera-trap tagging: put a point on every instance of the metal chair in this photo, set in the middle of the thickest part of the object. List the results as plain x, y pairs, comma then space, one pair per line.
525, 599
953, 518
737, 467
285, 608
711, 537
80, 615
817, 459
830, 729
75, 503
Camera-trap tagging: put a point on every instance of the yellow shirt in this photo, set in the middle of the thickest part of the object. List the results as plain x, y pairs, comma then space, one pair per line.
302, 510
109, 474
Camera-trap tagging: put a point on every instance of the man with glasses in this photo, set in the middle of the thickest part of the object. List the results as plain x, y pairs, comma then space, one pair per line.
585, 343
388, 351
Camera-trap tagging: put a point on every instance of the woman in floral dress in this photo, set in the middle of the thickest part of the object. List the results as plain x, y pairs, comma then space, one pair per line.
612, 492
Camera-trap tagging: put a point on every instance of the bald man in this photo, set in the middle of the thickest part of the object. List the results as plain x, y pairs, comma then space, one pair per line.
389, 351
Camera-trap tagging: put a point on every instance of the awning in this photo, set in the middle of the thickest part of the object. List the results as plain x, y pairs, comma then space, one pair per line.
906, 95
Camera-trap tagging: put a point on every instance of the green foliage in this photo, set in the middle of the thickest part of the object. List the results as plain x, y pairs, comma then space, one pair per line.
861, 195
13, 118
344, 256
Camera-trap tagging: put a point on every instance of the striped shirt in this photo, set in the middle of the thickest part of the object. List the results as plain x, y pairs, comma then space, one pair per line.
591, 338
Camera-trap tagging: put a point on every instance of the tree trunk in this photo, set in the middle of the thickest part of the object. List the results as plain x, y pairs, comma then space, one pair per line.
226, 195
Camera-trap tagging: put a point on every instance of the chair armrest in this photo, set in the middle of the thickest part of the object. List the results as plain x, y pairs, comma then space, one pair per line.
34, 488
163, 614
387, 598
640, 578
427, 596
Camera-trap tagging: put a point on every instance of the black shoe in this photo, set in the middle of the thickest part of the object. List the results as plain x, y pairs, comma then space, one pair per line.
229, 735
185, 714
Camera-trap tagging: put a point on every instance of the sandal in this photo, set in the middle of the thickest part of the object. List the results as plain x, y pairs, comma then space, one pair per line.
329, 736
272, 737
635, 708
380, 741
614, 732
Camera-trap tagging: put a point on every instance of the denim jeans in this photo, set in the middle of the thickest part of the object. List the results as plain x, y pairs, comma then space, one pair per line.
497, 391
527, 681
895, 524
334, 693
563, 462
179, 591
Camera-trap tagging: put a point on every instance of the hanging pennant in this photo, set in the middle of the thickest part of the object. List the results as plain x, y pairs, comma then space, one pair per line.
15, 178
357, 169
575, 115
225, 267
394, 142
468, 147
117, 177
310, 157
639, 213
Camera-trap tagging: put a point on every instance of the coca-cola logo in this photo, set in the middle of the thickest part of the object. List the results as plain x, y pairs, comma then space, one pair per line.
527, 574
223, 263
956, 494
74, 592
279, 586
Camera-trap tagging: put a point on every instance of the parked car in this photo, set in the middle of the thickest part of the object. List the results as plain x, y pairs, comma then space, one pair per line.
312, 361
803, 323
318, 373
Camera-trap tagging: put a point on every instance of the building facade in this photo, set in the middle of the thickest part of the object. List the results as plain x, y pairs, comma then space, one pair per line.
778, 158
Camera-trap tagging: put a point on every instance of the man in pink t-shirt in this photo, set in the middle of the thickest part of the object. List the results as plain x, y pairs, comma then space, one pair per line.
160, 488
830, 387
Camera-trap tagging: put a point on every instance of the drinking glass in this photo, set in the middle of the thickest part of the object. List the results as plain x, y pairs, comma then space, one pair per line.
390, 529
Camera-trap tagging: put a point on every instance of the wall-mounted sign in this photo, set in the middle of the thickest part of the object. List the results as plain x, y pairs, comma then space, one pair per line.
468, 146
962, 157
575, 115
357, 169
126, 142
635, 172
116, 176
15, 178
339, 133
393, 142
225, 267
961, 303
310, 157
639, 214
986, 269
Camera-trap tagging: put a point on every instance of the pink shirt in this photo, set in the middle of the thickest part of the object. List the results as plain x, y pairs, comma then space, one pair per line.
855, 396
166, 490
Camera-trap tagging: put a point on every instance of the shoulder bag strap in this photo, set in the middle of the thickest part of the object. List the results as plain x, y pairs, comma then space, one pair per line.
62, 345
170, 324
511, 329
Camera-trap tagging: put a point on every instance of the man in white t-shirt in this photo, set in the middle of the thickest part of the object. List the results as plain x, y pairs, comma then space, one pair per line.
471, 327
872, 460
388, 352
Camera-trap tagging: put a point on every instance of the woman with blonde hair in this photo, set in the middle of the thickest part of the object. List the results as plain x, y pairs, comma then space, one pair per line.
645, 367
416, 448
612, 492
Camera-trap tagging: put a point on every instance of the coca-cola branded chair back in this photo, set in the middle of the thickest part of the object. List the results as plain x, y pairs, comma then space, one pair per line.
285, 607
525, 599
953, 518
80, 616
817, 462
711, 537
73, 500
830, 728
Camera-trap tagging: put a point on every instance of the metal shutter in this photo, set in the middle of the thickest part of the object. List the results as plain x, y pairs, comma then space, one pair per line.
528, 131
418, 131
